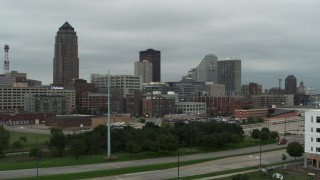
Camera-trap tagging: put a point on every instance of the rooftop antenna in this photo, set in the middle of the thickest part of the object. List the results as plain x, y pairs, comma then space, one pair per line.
6, 59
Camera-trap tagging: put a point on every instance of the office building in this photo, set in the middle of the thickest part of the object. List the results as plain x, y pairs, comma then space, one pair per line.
312, 139
143, 69
55, 104
229, 73
187, 89
158, 106
66, 60
154, 57
206, 71
291, 85
126, 84
191, 108
13, 98
215, 90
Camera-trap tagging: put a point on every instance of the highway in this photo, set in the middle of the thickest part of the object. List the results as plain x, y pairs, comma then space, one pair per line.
113, 165
206, 167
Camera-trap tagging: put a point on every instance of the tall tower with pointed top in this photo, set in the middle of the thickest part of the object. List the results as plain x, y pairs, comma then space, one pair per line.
66, 60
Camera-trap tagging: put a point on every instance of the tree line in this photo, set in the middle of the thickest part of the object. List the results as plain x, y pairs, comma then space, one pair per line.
151, 137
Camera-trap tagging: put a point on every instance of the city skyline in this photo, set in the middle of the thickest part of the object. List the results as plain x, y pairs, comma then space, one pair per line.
273, 39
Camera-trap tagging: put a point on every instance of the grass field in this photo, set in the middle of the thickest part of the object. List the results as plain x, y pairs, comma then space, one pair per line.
31, 138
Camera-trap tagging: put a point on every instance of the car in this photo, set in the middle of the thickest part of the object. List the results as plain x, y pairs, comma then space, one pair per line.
281, 141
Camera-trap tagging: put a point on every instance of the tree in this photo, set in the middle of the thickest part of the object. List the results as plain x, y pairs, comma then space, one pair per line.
4, 140
77, 147
264, 135
168, 143
235, 138
142, 120
35, 152
265, 129
23, 139
255, 134
295, 149
57, 141
133, 147
17, 144
274, 135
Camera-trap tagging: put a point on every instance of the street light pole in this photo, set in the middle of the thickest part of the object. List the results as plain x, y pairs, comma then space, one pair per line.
109, 139
178, 159
37, 148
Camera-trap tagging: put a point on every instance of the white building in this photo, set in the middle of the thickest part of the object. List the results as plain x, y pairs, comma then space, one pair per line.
143, 69
191, 108
312, 139
127, 84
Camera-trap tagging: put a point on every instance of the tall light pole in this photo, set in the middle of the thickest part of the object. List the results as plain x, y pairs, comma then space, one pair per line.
37, 148
109, 139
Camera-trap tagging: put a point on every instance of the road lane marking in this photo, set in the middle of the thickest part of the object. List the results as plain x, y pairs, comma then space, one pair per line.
141, 172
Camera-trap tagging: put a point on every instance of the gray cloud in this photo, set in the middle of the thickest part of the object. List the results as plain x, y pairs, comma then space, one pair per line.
272, 38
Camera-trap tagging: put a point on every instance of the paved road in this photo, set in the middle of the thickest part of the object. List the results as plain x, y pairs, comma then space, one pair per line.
113, 165
206, 167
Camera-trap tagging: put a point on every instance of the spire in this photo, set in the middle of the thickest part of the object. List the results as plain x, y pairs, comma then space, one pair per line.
66, 26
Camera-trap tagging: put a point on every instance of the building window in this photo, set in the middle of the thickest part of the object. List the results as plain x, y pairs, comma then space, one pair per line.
311, 148
318, 139
318, 119
312, 119
311, 139
318, 130
311, 129
317, 149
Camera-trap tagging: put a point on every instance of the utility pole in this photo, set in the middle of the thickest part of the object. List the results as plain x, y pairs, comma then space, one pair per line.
109, 139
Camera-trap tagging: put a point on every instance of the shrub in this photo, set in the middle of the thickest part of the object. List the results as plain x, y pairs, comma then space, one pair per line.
17, 145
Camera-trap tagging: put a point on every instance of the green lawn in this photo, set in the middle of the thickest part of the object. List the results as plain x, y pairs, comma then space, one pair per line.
31, 138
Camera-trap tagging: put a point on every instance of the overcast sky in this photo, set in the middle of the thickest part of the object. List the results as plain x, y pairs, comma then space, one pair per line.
273, 38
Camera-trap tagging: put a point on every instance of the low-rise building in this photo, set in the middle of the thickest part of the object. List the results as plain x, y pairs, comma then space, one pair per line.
55, 103
191, 108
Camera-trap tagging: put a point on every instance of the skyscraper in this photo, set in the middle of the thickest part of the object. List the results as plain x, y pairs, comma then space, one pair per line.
229, 73
143, 69
206, 70
66, 60
291, 85
154, 57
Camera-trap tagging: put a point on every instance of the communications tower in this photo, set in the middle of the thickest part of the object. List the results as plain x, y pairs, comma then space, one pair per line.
6, 59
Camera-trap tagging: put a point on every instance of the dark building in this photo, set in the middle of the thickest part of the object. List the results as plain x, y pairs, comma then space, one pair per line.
187, 89
154, 57
158, 106
66, 60
23, 118
291, 85
82, 90
69, 121
229, 73
253, 88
